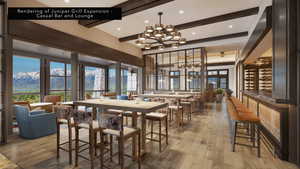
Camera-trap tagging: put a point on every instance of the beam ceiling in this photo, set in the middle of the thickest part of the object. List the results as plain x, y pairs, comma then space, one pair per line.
206, 21
209, 39
128, 8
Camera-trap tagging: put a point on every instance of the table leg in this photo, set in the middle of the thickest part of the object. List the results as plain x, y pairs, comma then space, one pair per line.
143, 130
134, 141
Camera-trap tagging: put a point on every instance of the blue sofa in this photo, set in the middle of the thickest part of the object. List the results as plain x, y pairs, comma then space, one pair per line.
122, 97
34, 124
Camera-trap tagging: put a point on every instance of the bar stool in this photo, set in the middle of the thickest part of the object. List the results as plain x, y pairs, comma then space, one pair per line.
114, 127
174, 106
247, 118
84, 120
158, 117
187, 108
64, 117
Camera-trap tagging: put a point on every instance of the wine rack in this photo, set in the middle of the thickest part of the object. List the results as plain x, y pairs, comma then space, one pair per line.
250, 79
259, 77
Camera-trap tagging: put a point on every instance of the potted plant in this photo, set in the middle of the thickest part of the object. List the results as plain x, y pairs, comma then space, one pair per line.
219, 95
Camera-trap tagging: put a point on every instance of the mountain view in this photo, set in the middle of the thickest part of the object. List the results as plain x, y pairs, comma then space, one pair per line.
30, 81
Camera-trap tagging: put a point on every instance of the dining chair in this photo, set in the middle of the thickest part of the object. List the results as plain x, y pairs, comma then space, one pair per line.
114, 127
54, 99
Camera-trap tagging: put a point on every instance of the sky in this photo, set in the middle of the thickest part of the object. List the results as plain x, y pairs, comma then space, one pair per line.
27, 64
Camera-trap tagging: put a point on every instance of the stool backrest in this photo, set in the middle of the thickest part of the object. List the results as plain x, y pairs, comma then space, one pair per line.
111, 121
63, 111
82, 117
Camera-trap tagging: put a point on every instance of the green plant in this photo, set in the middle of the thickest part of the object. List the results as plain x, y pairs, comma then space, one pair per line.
219, 91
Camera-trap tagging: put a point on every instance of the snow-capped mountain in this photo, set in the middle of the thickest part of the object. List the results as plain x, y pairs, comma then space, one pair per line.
26, 81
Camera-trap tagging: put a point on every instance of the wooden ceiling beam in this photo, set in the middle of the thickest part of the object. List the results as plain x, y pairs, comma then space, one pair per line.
209, 39
206, 21
128, 8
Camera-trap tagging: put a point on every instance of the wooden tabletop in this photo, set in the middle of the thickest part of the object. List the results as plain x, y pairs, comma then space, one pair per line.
41, 104
176, 96
126, 105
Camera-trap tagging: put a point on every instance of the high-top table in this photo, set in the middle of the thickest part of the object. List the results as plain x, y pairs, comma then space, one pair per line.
126, 105
175, 96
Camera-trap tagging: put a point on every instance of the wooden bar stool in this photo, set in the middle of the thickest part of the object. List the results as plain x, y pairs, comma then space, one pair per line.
158, 117
114, 127
174, 107
247, 118
84, 120
64, 117
187, 108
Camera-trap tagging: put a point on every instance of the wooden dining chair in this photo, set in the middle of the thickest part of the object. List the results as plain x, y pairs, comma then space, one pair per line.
114, 127
54, 99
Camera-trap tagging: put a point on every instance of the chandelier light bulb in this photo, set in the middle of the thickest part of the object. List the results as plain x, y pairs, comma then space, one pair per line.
161, 47
159, 27
182, 40
149, 29
177, 36
142, 37
148, 46
138, 42
158, 34
175, 46
169, 28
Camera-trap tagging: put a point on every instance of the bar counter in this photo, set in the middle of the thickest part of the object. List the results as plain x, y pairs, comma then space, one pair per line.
274, 120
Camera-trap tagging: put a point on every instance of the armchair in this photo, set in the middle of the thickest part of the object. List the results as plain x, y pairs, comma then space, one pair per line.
34, 124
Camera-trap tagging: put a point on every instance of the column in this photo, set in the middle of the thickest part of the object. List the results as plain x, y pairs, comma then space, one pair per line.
75, 76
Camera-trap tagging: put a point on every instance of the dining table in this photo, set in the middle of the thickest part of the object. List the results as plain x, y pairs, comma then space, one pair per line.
134, 106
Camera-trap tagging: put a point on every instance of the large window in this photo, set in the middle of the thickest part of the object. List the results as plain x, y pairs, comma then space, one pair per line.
218, 78
175, 80
132, 81
61, 80
26, 79
194, 80
170, 70
112, 79
94, 81
124, 80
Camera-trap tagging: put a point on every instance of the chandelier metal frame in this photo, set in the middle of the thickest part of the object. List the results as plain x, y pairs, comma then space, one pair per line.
160, 35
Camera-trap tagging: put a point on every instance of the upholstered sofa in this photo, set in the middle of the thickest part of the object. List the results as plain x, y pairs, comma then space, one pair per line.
34, 124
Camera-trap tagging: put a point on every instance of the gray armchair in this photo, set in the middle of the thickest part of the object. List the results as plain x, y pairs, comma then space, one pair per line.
34, 124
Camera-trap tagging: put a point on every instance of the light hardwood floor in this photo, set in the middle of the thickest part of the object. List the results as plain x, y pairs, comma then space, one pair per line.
202, 144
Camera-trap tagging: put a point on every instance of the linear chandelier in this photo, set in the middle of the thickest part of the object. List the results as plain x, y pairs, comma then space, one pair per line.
160, 35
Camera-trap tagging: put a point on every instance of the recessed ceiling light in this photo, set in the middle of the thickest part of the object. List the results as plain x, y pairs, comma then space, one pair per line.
230, 26
118, 29
193, 33
181, 12
146, 21
67, 1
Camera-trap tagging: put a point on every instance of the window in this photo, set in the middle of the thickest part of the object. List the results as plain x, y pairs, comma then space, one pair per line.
94, 83
194, 80
132, 81
61, 80
124, 80
175, 80
112, 79
218, 78
26, 79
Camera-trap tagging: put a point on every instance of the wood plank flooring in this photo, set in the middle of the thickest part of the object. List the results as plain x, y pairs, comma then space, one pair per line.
202, 144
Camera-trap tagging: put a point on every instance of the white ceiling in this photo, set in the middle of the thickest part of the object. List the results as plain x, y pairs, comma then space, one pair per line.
81, 3
193, 10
